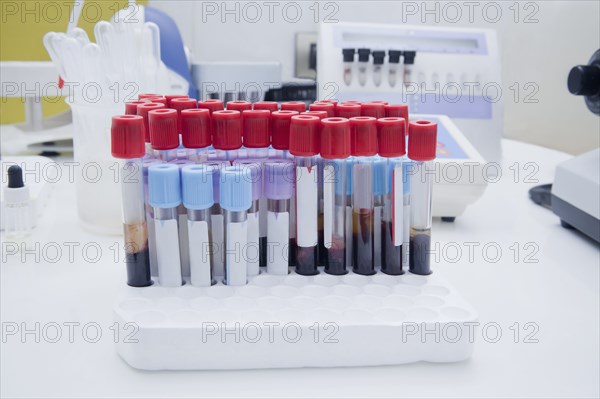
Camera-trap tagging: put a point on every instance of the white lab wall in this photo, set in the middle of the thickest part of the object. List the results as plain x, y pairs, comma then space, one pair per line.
559, 35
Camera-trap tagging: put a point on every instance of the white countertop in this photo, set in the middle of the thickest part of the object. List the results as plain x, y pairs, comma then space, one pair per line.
558, 295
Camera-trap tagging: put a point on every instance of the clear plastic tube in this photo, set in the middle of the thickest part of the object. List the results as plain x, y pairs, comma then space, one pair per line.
392, 223
377, 73
420, 221
235, 231
306, 215
394, 72
334, 216
166, 228
363, 216
348, 73
199, 239
278, 236
137, 254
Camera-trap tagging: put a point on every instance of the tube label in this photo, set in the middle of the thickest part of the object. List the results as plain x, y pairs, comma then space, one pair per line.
278, 243
328, 204
252, 249
306, 206
167, 253
397, 205
200, 252
216, 222
235, 253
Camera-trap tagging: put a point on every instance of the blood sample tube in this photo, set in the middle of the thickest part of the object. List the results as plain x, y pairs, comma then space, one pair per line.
348, 54
305, 145
144, 96
216, 218
379, 190
349, 165
335, 149
422, 142
395, 68
195, 133
279, 188
131, 107
163, 133
363, 133
280, 132
227, 134
397, 111
347, 110
236, 199
197, 195
171, 97
143, 110
211, 105
239, 105
256, 133
319, 114
298, 106
164, 186
268, 105
127, 143
323, 106
396, 202
375, 109
378, 58
363, 59
255, 174
179, 104
157, 99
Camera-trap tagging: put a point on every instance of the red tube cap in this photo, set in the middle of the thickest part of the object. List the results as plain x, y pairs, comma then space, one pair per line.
351, 102
268, 105
127, 137
239, 105
323, 106
397, 110
131, 107
142, 110
163, 129
195, 128
347, 110
334, 102
335, 138
170, 97
256, 128
374, 109
227, 130
319, 114
297, 106
363, 136
304, 135
148, 95
158, 99
211, 105
422, 140
391, 134
280, 129
179, 104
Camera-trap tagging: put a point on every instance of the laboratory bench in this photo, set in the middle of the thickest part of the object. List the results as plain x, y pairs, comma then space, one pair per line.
534, 284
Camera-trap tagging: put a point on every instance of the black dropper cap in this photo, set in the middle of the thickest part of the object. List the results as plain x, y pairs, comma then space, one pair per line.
378, 57
15, 177
363, 54
409, 57
348, 54
394, 56
584, 80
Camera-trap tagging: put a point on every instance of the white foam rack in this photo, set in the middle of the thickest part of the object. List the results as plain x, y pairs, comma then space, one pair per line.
296, 321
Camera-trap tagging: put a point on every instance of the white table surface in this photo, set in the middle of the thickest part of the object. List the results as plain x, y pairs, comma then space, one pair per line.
559, 293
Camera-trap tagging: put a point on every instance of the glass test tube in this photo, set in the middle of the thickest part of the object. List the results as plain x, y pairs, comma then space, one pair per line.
127, 143
335, 148
197, 196
279, 189
236, 199
164, 186
305, 145
421, 149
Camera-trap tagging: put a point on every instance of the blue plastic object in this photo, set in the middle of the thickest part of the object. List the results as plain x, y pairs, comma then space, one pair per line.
236, 189
172, 50
164, 186
197, 186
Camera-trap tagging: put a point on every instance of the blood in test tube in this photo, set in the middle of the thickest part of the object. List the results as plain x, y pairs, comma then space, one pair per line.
422, 144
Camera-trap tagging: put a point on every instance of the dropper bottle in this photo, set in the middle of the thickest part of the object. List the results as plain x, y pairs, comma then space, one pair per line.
422, 144
127, 143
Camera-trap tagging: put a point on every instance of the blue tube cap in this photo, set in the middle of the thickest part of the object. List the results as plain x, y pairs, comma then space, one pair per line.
236, 188
164, 186
197, 186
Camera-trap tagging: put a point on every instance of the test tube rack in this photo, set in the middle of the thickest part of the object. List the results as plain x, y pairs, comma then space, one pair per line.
296, 321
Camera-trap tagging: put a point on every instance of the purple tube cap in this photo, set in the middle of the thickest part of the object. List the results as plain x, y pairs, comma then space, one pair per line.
254, 168
279, 180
